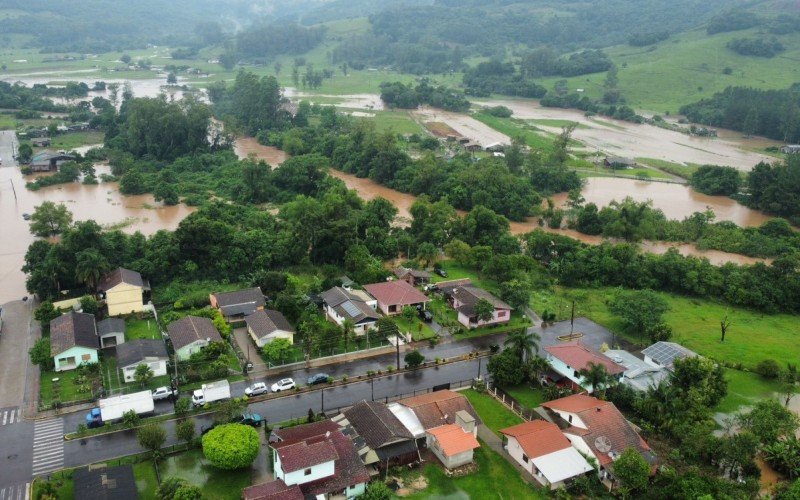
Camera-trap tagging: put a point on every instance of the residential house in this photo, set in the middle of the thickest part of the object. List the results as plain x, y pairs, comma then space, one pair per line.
618, 162
495, 147
124, 291
150, 352
238, 303
639, 375
542, 449
111, 332
569, 358
105, 483
341, 304
439, 408
597, 428
464, 298
273, 490
386, 441
791, 149
49, 161
191, 334
319, 459
663, 354
413, 277
40, 142
266, 325
393, 296
73, 340
453, 444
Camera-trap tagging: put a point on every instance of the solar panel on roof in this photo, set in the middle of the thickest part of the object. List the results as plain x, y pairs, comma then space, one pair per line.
351, 309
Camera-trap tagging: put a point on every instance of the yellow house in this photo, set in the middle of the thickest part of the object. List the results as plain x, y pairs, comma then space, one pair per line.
124, 291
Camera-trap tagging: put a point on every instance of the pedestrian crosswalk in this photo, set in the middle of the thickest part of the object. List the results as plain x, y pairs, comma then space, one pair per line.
48, 446
15, 492
10, 416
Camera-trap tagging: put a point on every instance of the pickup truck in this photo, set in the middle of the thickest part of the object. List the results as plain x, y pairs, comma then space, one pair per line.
164, 392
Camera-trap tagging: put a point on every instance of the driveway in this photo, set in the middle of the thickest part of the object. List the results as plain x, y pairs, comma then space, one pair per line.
249, 349
15, 340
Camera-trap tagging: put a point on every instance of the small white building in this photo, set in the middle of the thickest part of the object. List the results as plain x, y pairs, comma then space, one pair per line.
543, 450
454, 444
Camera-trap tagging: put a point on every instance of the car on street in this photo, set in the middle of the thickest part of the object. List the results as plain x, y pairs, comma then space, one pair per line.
441, 272
26, 216
256, 389
164, 392
283, 385
251, 419
319, 378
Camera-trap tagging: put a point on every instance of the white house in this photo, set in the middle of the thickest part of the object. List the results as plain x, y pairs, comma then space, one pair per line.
266, 325
453, 444
569, 358
543, 450
341, 304
464, 298
319, 459
150, 352
597, 428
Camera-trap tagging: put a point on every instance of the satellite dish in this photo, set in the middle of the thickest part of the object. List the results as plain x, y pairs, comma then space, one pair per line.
603, 444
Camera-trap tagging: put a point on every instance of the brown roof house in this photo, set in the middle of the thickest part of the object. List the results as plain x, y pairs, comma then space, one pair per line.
191, 334
413, 277
318, 459
266, 325
542, 449
124, 291
393, 296
440, 408
464, 298
341, 304
239, 302
380, 438
73, 340
597, 428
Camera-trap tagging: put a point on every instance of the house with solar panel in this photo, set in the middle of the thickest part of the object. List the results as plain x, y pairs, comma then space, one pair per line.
664, 354
358, 306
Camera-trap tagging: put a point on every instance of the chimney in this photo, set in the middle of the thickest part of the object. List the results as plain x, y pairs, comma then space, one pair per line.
466, 421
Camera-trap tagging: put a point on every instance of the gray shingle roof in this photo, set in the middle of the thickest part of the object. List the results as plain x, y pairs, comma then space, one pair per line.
73, 329
120, 275
266, 322
240, 301
117, 483
349, 305
135, 351
110, 325
377, 424
469, 295
191, 328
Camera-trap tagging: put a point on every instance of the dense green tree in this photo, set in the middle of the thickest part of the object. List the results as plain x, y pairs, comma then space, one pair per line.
506, 368
595, 376
769, 421
90, 266
231, 446
40, 354
716, 180
277, 351
143, 374
632, 471
484, 310
151, 437
184, 430
414, 359
523, 343
49, 219
640, 311
377, 490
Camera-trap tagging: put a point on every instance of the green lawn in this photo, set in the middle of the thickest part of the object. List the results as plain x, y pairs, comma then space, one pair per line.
495, 478
527, 396
418, 328
141, 329
673, 168
71, 140
69, 388
512, 127
398, 121
493, 414
752, 336
746, 388
195, 469
65, 486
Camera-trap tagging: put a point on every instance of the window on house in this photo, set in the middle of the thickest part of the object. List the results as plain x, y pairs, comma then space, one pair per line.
569, 419
525, 458
307, 472
502, 314
86, 357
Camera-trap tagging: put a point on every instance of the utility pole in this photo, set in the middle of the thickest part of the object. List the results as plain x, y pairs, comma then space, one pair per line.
322, 392
372, 385
572, 320
479, 367
397, 338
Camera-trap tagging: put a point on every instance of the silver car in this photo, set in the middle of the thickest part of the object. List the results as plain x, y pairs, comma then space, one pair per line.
283, 385
256, 389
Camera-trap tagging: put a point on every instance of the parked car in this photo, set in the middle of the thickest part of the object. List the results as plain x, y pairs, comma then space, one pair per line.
441, 272
251, 419
164, 392
319, 378
205, 430
256, 389
425, 315
26, 216
283, 385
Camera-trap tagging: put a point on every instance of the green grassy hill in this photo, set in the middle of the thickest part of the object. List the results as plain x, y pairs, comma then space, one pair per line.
689, 66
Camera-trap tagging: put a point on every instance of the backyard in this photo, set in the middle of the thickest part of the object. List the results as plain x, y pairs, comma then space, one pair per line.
146, 328
494, 415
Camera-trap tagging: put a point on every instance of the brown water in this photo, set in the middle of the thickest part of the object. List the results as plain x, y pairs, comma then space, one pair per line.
369, 189
675, 200
102, 202
246, 146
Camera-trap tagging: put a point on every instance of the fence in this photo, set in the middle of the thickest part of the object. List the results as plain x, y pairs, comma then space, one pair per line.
298, 357
512, 404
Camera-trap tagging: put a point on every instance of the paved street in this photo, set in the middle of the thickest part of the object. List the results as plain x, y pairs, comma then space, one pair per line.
14, 344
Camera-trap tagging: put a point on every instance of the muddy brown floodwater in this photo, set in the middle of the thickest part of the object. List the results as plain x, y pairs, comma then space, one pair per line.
368, 189
102, 202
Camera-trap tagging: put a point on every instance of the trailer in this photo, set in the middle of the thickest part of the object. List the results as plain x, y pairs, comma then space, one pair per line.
211, 392
112, 409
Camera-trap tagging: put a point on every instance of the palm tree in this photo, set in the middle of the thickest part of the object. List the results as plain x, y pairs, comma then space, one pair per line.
595, 375
524, 343
90, 267
537, 367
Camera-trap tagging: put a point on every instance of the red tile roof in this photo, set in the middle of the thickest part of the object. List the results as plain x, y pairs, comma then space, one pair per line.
580, 356
274, 490
305, 454
538, 437
453, 439
398, 293
606, 426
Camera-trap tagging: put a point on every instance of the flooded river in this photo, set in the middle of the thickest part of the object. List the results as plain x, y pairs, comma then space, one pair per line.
101, 202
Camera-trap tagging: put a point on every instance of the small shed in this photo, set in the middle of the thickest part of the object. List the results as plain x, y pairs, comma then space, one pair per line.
111, 332
452, 444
